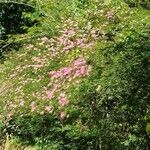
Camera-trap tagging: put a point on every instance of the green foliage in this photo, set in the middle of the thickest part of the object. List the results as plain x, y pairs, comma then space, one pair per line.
11, 18
13, 22
136, 3
105, 110
123, 96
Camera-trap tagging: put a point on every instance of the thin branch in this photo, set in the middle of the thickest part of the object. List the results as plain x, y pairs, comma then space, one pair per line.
5, 46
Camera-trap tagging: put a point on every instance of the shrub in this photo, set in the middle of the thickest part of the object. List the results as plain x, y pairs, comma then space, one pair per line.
87, 85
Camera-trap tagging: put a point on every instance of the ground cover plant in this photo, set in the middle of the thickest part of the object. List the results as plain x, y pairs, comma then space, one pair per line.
80, 79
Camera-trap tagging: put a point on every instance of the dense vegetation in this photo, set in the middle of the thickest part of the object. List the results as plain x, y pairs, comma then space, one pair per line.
13, 22
79, 79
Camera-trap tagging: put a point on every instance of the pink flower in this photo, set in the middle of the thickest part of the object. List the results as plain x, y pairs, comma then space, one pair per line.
56, 87
82, 70
49, 109
62, 115
55, 74
66, 71
77, 73
69, 33
69, 47
110, 14
79, 62
50, 94
80, 41
63, 101
33, 106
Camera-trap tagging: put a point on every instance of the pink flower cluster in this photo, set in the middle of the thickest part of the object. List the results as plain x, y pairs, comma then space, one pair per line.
55, 88
81, 68
49, 109
63, 100
78, 68
110, 14
33, 106
62, 115
71, 38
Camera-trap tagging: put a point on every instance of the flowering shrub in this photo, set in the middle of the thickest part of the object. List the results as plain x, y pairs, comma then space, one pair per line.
60, 80
84, 87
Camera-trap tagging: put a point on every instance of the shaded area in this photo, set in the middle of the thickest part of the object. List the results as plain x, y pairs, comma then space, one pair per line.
13, 22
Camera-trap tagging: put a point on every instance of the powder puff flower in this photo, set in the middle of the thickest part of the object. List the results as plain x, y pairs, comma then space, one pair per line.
110, 14
62, 115
33, 106
50, 94
63, 101
66, 71
55, 74
79, 62
49, 109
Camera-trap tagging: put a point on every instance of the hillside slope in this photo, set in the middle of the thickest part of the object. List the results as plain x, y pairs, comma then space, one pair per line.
86, 85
